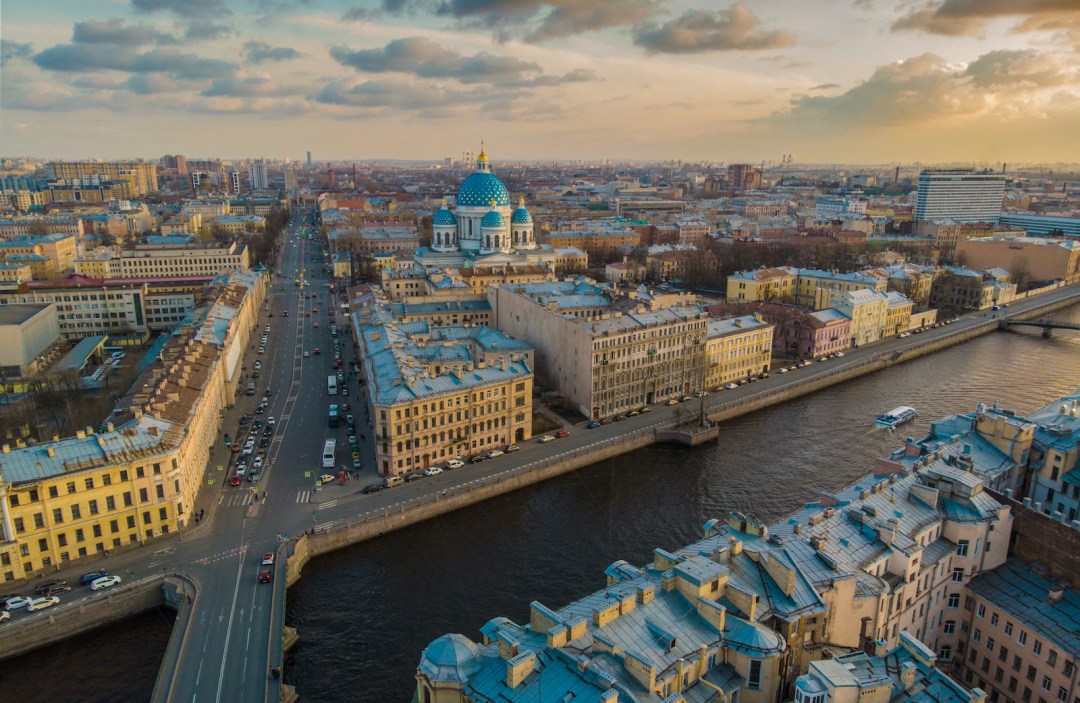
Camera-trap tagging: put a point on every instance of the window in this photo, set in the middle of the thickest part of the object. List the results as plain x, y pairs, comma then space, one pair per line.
954, 600
950, 627
57, 515
1051, 657
976, 636
127, 499
945, 653
79, 536
1003, 653
994, 619
106, 479
962, 548
110, 503
1046, 683
980, 611
143, 495
61, 540
90, 483
76, 512
114, 526
1037, 647
146, 517
53, 492
1012, 684
753, 678
19, 527
1062, 694
97, 530
1008, 628
1031, 673
1021, 637
93, 507
39, 520
990, 643
160, 491
1016, 662
70, 486
131, 522
123, 475
957, 575
163, 513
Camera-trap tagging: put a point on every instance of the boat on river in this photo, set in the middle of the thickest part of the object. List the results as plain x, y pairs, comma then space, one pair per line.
896, 416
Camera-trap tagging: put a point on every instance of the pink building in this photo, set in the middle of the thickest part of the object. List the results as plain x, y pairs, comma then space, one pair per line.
799, 333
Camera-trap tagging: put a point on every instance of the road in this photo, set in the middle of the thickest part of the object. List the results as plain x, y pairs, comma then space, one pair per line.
226, 653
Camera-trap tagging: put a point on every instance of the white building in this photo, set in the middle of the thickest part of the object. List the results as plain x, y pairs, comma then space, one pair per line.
961, 195
257, 175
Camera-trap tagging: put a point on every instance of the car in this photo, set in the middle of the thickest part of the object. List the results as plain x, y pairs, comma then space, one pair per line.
645, 409
318, 351
89, 577
271, 314
546, 438
782, 369
265, 576
432, 471
346, 407
373, 488
349, 419
701, 394
996, 308
314, 309
495, 453
258, 364
606, 421
104, 582
235, 480
16, 602
633, 413
285, 314
671, 401
455, 464
477, 458
241, 468
685, 398
413, 477
307, 354
270, 421
253, 477
730, 386
620, 418
315, 324
562, 433
4, 615
356, 464
267, 393
355, 454
592, 425
307, 314
235, 447
327, 478
58, 591
511, 448
839, 353
268, 559
42, 603
45, 587
262, 350
264, 442
255, 374
244, 419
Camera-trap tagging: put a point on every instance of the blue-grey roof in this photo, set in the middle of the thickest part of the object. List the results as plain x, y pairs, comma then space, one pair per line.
493, 220
76, 359
521, 216
480, 189
1021, 594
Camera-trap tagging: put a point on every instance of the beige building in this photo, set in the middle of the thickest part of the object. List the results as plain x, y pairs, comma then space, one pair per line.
738, 348
79, 496
141, 178
1031, 258
47, 254
207, 209
16, 272
26, 331
439, 393
868, 312
164, 261
87, 306
624, 272
606, 354
772, 285
897, 315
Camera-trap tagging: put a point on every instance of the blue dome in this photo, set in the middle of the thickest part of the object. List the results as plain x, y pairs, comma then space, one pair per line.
521, 216
480, 189
493, 219
444, 218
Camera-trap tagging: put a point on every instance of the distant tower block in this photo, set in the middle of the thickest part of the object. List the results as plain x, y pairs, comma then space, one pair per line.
309, 159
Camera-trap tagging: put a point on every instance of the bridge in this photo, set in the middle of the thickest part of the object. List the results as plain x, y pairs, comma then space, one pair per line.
1046, 325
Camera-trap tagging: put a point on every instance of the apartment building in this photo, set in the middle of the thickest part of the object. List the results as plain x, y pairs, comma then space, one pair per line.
769, 285
963, 195
439, 393
1017, 636
47, 254
136, 478
1034, 258
738, 348
607, 353
961, 289
160, 261
141, 178
897, 314
27, 226
17, 271
1055, 459
807, 287
868, 311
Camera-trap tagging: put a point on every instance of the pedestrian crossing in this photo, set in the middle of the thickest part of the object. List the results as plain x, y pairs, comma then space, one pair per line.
239, 498
327, 504
304, 496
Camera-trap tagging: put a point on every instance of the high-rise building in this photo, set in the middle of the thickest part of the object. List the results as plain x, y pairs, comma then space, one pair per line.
963, 195
234, 181
198, 179
743, 177
257, 175
141, 177
291, 181
181, 166
309, 159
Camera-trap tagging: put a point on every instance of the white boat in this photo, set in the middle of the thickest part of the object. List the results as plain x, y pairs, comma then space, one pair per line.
896, 416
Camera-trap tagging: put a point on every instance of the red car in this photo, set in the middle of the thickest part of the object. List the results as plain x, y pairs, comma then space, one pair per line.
265, 576
234, 480
562, 433
314, 309
317, 350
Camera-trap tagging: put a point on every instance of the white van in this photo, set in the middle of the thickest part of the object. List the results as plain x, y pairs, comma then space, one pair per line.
394, 481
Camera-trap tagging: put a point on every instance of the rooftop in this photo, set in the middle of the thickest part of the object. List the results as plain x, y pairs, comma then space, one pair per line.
17, 314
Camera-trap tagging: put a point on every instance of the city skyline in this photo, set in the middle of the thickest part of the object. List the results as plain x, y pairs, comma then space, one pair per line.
862, 81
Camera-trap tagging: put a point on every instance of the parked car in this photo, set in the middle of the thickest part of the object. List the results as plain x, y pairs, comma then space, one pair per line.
235, 480
432, 471
88, 578
731, 386
42, 603
546, 438
562, 433
495, 453
413, 477
16, 602
104, 582
44, 587
356, 464
511, 448
671, 401
592, 425
455, 464
4, 615
58, 591
373, 488
476, 458
327, 478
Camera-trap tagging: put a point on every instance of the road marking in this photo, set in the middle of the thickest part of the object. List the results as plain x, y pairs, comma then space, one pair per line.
303, 496
228, 630
327, 504
325, 526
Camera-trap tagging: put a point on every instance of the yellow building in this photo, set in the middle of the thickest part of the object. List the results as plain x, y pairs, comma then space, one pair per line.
440, 393
342, 264
479, 278
868, 312
897, 315
163, 261
46, 254
772, 285
669, 265
15, 272
738, 348
810, 280
137, 479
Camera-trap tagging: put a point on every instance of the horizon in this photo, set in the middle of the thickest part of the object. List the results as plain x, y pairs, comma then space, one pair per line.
861, 82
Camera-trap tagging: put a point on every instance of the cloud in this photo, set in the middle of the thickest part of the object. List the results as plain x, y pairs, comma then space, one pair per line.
152, 84
117, 31
258, 52
359, 14
925, 88
206, 30
968, 17
542, 20
92, 57
424, 58
10, 50
825, 86
183, 8
249, 86
702, 30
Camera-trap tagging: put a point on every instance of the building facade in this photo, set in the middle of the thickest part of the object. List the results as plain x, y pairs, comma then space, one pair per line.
1035, 259
140, 177
737, 349
960, 195
150, 261
26, 331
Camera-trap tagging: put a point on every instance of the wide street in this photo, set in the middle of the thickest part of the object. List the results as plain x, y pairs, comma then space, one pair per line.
225, 655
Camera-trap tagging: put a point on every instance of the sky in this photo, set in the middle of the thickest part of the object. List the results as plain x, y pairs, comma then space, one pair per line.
826, 81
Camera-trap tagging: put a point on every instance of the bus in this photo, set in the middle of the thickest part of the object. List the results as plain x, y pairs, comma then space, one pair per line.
331, 385
328, 454
334, 416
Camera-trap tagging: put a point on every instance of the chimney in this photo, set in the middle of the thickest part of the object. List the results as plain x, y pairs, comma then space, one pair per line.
7, 448
1055, 594
907, 674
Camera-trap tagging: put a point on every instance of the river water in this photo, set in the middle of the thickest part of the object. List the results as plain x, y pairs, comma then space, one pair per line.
365, 613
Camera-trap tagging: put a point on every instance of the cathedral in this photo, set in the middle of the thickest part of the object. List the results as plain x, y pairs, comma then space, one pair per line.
482, 222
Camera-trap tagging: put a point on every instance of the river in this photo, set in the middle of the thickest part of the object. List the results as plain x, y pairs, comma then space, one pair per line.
365, 613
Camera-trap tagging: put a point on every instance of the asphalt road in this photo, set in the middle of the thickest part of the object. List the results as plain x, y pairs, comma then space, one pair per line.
225, 656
